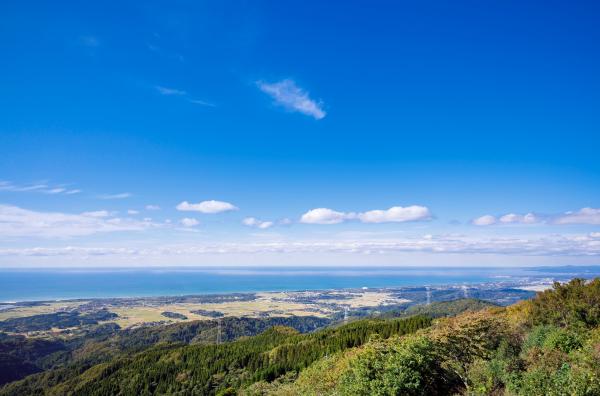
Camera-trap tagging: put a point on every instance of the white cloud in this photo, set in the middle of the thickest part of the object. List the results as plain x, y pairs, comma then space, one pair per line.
484, 220
265, 224
189, 222
287, 94
583, 216
18, 222
133, 212
71, 192
254, 222
115, 196
206, 207
324, 216
250, 221
395, 214
512, 218
152, 207
169, 91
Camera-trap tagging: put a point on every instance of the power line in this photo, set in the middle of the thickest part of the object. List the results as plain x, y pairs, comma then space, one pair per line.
218, 331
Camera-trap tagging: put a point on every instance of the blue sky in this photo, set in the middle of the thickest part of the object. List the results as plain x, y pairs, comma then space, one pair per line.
393, 133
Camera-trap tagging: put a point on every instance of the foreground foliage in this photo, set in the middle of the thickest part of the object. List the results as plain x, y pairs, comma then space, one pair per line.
547, 346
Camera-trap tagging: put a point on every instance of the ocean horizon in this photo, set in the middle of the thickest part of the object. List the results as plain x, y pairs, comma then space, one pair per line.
36, 284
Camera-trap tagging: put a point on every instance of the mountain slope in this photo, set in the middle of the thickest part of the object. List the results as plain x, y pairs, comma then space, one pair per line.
209, 368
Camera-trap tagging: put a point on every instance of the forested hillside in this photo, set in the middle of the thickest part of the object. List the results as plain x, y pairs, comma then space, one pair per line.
549, 345
21, 356
168, 368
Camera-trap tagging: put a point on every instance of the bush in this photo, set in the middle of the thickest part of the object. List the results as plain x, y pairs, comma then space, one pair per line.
408, 367
576, 303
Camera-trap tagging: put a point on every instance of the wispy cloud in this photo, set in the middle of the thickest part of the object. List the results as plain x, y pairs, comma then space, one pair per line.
44, 188
115, 196
19, 222
178, 92
582, 216
201, 103
579, 245
210, 207
152, 207
284, 222
287, 94
395, 214
98, 213
8, 186
169, 91
57, 190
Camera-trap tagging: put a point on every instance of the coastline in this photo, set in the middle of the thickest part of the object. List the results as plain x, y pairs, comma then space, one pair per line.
66, 285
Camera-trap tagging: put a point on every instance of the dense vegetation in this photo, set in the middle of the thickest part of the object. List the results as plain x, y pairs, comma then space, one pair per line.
61, 320
168, 368
209, 313
546, 346
441, 308
549, 345
173, 315
21, 356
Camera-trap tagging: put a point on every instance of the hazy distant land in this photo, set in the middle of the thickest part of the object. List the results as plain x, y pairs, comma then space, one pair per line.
67, 317
330, 304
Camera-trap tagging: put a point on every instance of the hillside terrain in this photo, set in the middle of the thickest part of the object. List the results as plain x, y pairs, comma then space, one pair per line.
549, 345
21, 356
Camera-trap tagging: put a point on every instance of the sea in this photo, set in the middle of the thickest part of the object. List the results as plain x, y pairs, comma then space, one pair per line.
41, 284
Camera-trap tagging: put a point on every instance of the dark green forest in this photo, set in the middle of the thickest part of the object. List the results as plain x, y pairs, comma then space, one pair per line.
171, 367
21, 356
